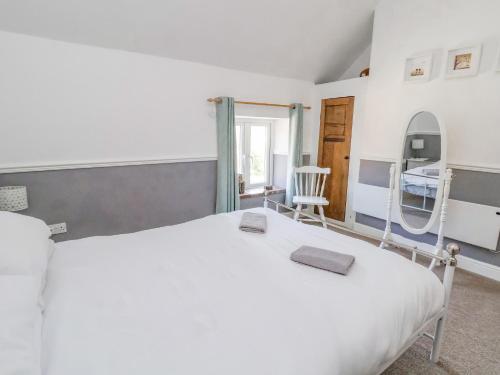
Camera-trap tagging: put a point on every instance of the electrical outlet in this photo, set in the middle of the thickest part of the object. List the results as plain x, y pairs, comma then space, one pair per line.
58, 228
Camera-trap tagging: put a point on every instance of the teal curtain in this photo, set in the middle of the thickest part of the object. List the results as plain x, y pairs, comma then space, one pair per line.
295, 141
228, 198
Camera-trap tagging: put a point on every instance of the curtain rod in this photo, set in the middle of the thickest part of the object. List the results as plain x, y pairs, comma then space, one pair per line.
218, 100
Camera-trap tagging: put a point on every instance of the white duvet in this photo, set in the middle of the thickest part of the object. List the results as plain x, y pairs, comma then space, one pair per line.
205, 298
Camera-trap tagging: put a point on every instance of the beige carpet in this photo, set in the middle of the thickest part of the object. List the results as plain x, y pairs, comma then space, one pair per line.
471, 342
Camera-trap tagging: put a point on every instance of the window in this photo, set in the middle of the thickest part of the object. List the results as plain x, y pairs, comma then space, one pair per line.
253, 141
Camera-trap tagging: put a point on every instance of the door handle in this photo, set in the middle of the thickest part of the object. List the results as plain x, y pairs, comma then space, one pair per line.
346, 157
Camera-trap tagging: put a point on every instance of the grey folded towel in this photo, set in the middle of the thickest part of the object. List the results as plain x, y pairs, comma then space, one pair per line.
323, 259
252, 222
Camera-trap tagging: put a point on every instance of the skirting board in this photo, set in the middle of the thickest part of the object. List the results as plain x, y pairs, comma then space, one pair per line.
468, 264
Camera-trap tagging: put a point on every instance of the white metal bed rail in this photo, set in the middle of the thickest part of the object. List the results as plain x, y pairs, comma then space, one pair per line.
414, 250
450, 262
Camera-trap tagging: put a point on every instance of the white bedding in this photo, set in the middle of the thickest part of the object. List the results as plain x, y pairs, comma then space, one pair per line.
205, 298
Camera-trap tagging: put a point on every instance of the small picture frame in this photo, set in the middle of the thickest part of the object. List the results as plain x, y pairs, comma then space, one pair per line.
418, 69
463, 62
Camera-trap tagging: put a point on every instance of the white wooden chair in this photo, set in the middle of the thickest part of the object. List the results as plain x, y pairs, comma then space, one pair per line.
309, 188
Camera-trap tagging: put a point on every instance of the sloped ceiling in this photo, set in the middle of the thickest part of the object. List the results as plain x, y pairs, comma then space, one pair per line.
314, 40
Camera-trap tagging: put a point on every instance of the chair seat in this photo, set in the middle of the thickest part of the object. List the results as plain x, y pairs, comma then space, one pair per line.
304, 199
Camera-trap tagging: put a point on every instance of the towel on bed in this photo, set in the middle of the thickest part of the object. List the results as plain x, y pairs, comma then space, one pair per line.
252, 222
324, 259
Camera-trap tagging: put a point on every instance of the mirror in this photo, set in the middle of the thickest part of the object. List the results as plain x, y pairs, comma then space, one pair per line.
422, 172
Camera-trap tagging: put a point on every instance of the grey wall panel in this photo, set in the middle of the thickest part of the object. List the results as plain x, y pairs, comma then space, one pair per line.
432, 147
112, 200
467, 186
476, 187
373, 172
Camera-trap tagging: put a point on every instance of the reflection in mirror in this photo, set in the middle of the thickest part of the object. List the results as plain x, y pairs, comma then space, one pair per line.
420, 169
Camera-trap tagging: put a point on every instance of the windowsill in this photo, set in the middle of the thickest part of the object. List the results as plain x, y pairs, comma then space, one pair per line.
259, 192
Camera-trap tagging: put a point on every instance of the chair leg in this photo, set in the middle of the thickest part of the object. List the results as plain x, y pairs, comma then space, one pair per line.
297, 212
322, 215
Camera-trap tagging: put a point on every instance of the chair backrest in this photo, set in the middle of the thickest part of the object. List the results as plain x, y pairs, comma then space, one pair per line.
310, 180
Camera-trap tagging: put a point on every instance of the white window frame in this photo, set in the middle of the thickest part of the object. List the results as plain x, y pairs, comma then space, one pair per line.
245, 124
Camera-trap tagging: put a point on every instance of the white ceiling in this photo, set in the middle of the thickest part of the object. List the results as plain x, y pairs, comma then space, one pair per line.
315, 40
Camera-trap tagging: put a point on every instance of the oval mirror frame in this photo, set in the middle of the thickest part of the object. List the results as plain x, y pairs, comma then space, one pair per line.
442, 170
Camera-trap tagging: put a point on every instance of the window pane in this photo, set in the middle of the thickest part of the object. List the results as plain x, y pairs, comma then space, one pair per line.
239, 150
258, 162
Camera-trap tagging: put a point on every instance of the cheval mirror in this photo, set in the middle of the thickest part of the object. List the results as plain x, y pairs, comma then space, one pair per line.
422, 182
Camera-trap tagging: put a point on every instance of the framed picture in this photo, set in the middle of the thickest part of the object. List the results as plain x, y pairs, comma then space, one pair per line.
463, 62
418, 68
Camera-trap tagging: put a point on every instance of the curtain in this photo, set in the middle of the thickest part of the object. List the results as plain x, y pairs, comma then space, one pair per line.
295, 140
228, 198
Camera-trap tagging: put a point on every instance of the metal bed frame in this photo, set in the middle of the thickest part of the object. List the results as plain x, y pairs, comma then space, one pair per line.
425, 195
449, 261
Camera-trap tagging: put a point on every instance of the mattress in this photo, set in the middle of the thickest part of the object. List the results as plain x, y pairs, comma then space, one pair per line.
205, 298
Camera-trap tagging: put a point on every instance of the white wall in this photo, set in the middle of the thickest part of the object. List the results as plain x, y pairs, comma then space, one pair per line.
467, 106
280, 136
66, 103
354, 87
361, 63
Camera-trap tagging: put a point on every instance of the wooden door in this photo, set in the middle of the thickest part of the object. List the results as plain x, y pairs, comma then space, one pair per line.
334, 151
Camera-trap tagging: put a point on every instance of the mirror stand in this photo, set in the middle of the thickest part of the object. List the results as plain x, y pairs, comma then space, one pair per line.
438, 248
388, 231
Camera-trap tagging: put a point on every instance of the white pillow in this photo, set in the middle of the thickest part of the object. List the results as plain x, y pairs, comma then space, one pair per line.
20, 325
24, 245
25, 248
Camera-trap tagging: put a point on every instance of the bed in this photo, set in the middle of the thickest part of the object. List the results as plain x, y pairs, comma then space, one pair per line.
420, 182
205, 298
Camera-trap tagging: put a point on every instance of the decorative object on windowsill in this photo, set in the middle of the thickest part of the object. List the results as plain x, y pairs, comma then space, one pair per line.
417, 144
268, 187
365, 72
418, 69
463, 62
13, 198
241, 183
